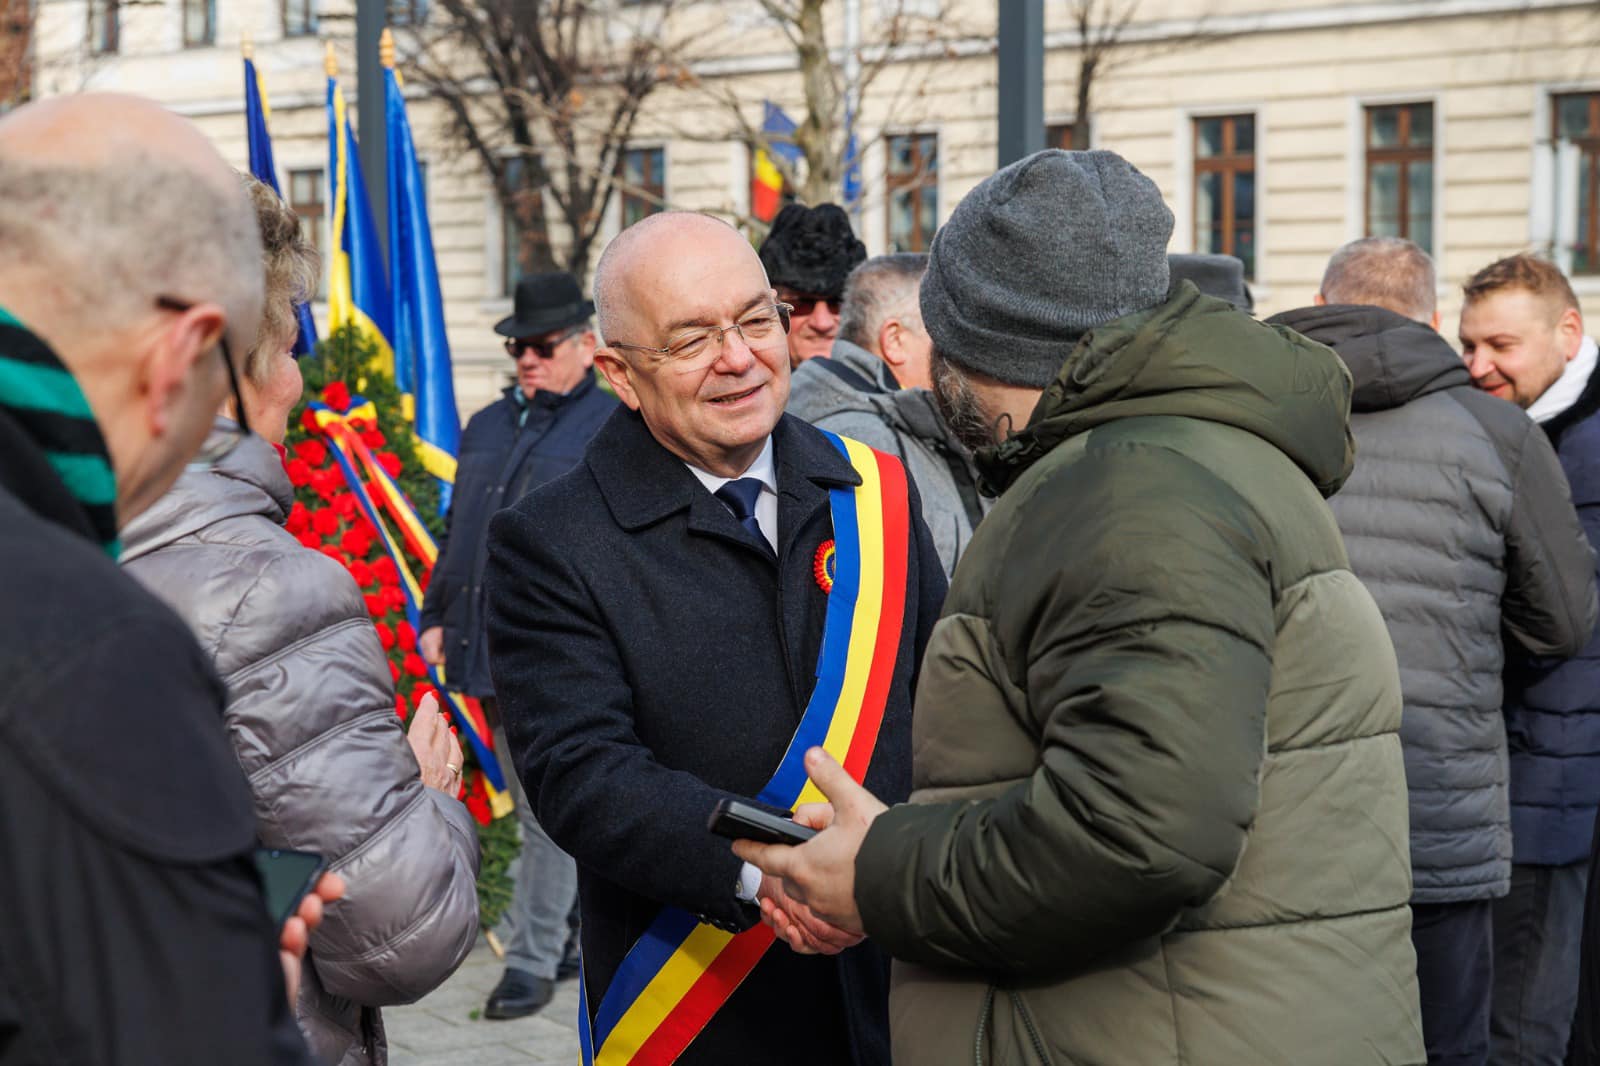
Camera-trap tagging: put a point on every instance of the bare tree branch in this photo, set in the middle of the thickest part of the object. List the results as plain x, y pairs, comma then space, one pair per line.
544, 94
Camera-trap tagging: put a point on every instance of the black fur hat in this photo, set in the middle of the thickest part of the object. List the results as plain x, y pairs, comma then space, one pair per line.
811, 249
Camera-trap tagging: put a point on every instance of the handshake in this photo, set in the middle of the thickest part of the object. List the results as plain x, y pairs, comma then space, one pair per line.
808, 891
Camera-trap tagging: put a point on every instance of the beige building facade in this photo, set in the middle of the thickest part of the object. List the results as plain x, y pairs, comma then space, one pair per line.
1278, 130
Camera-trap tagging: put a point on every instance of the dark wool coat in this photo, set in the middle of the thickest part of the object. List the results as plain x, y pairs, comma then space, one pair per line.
132, 926
650, 660
1553, 705
1458, 521
503, 457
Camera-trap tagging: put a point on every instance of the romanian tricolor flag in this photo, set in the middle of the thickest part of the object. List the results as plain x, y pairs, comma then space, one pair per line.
421, 349
766, 183
358, 287
256, 114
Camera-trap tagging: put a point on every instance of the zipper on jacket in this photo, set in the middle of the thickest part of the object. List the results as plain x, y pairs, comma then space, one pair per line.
983, 1026
1033, 1031
1041, 1053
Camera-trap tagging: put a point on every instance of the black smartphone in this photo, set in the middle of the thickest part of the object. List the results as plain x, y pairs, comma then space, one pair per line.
286, 877
740, 821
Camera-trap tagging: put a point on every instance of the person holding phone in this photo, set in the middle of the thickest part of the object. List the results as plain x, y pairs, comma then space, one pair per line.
311, 707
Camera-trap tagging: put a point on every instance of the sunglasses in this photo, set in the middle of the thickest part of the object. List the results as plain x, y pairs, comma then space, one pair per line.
804, 305
544, 349
220, 441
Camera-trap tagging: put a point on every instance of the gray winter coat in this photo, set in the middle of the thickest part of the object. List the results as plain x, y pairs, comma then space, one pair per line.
311, 713
1459, 521
854, 395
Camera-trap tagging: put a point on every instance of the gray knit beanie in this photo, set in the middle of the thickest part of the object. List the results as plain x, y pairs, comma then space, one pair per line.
1040, 253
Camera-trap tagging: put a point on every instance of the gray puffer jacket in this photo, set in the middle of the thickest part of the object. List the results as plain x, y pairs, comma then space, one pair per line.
1459, 521
854, 395
311, 713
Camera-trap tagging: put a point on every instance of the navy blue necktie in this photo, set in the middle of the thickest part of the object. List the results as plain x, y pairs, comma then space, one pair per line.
741, 495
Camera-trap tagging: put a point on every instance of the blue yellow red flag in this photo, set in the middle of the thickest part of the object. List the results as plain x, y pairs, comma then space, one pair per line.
358, 286
766, 183
421, 348
256, 114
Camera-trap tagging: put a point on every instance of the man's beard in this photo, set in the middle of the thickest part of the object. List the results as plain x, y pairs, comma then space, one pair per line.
959, 405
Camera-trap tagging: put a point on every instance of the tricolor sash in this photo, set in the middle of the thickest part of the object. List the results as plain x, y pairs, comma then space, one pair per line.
681, 971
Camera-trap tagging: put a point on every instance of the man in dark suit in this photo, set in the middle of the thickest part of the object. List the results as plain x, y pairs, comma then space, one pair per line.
655, 619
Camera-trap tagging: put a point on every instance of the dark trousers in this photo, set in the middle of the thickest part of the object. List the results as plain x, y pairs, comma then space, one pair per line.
1455, 974
1537, 930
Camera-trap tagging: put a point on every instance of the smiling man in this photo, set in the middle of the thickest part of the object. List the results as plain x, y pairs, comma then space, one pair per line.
535, 431
656, 624
1522, 337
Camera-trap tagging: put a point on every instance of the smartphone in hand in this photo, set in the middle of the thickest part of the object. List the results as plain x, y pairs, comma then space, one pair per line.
741, 821
286, 877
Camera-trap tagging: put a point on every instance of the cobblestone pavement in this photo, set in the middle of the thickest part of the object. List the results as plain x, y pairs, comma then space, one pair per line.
444, 1029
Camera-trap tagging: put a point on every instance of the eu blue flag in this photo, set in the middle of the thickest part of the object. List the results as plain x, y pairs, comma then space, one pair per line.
256, 113
421, 349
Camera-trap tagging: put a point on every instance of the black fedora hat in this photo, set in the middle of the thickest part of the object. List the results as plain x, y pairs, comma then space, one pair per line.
545, 303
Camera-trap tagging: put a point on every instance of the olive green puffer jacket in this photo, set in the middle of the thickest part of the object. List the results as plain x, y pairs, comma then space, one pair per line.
1160, 807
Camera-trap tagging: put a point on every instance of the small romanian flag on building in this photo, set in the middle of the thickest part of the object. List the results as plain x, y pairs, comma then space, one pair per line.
766, 181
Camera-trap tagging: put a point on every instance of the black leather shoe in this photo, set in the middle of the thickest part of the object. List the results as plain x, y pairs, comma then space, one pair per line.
518, 995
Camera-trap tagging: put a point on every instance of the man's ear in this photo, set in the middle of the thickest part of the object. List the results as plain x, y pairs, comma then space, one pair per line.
1435, 320
173, 368
891, 347
618, 375
1320, 300
1570, 329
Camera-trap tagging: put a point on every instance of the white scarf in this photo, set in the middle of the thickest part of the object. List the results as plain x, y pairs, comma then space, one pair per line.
1569, 386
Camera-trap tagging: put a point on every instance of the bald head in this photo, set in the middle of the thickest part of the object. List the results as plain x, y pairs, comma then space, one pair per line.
129, 246
101, 129
114, 200
635, 265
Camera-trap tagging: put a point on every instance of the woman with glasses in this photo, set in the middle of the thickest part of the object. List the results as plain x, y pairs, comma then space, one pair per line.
311, 706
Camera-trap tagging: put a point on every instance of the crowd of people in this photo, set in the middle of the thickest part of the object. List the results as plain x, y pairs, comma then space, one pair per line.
1150, 683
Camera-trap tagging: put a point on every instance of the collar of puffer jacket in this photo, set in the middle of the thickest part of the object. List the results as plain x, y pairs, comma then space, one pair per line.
1393, 359
249, 480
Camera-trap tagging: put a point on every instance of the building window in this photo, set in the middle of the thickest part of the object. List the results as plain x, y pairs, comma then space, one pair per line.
1577, 121
1400, 173
1225, 187
199, 23
643, 173
913, 186
306, 199
408, 12
525, 238
299, 18
105, 26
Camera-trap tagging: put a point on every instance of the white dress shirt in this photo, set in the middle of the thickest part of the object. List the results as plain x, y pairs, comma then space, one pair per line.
766, 471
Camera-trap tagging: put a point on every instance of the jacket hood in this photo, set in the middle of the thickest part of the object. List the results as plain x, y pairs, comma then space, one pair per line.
1195, 356
868, 387
249, 480
1392, 359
